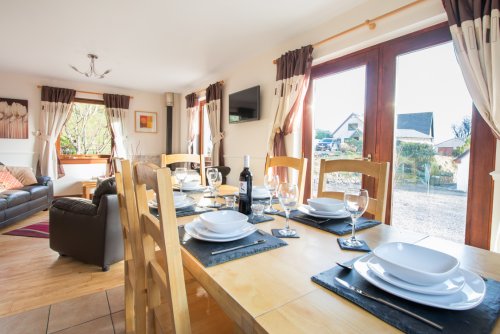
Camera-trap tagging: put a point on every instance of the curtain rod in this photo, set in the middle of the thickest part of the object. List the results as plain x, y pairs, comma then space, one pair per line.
84, 92
370, 23
199, 91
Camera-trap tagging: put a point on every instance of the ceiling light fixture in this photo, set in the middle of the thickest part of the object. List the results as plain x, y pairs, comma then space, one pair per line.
91, 72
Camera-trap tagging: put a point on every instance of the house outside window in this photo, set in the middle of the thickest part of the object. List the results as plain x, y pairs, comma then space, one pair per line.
352, 126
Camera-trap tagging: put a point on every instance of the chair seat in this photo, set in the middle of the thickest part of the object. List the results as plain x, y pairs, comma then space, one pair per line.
15, 197
76, 205
37, 191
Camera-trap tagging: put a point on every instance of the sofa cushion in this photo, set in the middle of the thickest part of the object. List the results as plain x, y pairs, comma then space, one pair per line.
36, 191
8, 181
76, 205
106, 187
3, 204
23, 174
15, 197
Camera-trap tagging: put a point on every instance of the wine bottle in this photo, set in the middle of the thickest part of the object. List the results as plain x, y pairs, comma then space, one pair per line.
245, 191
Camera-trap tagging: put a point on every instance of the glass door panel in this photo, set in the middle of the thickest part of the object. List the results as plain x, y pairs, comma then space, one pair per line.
338, 124
431, 144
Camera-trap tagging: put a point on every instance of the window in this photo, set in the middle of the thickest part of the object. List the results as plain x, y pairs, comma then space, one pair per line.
85, 135
203, 141
352, 126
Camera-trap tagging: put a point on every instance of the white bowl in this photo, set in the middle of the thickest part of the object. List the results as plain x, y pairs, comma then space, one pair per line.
260, 192
326, 204
179, 197
190, 184
224, 221
416, 264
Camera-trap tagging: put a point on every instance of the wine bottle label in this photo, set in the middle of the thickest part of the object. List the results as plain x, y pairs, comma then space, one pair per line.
243, 187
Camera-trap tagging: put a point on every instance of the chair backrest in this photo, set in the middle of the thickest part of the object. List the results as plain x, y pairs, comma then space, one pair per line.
168, 159
167, 297
299, 164
135, 283
377, 170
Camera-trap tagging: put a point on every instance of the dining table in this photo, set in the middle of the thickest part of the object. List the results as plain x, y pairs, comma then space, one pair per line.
272, 292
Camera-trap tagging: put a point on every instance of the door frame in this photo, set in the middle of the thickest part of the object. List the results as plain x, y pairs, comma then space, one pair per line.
483, 142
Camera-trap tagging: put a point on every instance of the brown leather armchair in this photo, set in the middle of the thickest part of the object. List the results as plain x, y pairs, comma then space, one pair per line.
88, 231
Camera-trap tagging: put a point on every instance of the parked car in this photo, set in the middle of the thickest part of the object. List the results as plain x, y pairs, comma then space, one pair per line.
325, 144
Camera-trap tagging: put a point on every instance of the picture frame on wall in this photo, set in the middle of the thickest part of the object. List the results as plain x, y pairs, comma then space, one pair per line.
146, 121
13, 118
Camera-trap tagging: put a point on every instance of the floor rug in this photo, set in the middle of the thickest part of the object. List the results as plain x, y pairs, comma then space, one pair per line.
38, 230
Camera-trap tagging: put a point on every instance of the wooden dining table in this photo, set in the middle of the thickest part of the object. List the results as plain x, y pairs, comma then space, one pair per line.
272, 292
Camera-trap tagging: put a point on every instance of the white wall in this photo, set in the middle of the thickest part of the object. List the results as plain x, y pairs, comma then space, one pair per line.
252, 137
23, 152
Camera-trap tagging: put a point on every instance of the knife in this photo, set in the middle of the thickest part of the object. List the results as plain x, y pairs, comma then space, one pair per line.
385, 302
238, 247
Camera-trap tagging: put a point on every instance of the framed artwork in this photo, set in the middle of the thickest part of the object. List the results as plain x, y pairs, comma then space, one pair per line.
13, 118
145, 121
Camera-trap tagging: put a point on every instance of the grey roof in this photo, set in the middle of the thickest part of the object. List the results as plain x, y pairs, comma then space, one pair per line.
453, 142
422, 122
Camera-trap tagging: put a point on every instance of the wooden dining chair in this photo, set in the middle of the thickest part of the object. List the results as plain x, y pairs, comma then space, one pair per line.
166, 291
299, 164
377, 170
168, 159
135, 284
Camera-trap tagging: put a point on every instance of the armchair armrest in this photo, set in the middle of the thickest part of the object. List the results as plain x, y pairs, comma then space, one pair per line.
43, 180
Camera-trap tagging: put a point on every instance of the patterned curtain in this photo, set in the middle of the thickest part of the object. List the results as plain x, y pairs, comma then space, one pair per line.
293, 71
475, 29
55, 110
116, 111
214, 109
192, 109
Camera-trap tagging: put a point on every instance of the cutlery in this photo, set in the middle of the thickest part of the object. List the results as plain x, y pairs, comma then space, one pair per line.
385, 302
314, 220
345, 266
261, 241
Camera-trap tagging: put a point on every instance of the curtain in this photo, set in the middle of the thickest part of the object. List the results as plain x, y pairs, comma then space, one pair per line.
55, 110
192, 109
116, 110
214, 109
475, 30
293, 71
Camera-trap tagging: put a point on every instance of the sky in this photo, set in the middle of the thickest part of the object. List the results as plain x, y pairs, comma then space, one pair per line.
426, 80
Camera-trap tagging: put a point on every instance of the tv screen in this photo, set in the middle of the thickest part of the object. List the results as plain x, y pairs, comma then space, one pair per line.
244, 106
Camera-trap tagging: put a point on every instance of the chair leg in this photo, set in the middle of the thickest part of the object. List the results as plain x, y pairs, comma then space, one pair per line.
105, 268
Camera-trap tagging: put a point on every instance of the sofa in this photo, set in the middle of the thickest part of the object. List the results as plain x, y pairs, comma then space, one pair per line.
88, 230
17, 204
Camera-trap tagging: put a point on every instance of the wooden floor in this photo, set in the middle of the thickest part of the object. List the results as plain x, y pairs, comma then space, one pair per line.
33, 275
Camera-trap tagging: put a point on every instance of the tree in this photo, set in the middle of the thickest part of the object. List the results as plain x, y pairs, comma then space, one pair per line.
411, 159
462, 130
320, 134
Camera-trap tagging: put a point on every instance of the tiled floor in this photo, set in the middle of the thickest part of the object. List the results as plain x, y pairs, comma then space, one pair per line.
98, 313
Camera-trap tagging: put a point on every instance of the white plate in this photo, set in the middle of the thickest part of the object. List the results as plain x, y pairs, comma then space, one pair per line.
260, 192
191, 187
191, 230
451, 285
323, 214
471, 295
206, 233
189, 201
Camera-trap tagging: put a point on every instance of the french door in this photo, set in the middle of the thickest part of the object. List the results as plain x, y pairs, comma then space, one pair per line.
404, 101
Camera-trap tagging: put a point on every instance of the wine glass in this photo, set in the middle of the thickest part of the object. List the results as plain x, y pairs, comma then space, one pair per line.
180, 175
215, 184
211, 175
288, 195
355, 202
271, 182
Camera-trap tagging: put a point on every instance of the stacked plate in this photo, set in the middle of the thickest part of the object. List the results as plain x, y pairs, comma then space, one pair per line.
422, 275
220, 226
260, 192
324, 208
181, 201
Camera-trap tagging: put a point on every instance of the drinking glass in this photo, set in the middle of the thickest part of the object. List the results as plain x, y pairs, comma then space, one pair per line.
216, 183
211, 175
288, 195
230, 201
180, 175
355, 202
271, 182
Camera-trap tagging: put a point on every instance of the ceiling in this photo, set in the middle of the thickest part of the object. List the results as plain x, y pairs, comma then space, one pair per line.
153, 45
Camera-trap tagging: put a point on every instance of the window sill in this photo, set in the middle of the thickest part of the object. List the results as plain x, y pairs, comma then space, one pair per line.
84, 160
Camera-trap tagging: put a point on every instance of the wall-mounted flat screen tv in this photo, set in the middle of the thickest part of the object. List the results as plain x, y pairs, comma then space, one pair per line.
244, 106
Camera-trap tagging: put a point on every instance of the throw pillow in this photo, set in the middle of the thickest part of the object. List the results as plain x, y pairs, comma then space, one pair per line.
23, 174
106, 187
8, 181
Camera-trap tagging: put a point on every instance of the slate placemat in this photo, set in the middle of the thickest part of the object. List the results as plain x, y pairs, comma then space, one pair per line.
480, 319
253, 219
336, 226
202, 249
